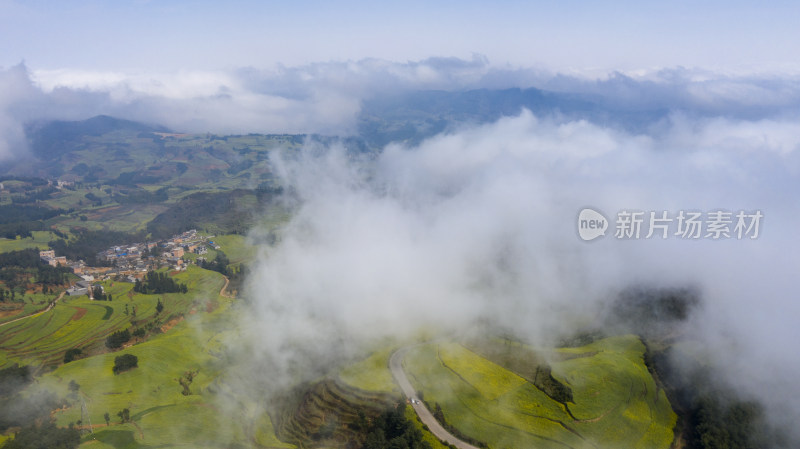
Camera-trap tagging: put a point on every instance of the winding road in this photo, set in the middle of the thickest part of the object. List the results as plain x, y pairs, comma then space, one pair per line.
396, 366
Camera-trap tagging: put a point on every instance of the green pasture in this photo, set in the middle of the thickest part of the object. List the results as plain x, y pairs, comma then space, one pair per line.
371, 373
39, 240
235, 247
617, 403
160, 413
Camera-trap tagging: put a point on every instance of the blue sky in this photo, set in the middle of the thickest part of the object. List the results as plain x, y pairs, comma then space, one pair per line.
569, 35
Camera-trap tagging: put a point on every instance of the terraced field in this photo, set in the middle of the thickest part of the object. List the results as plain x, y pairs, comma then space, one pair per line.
616, 402
212, 416
78, 322
34, 303
160, 413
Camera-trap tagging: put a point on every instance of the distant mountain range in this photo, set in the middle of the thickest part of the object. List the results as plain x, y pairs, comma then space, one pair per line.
413, 116
52, 139
108, 145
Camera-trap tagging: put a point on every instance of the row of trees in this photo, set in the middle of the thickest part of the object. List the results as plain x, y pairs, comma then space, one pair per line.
157, 283
21, 220
7, 295
24, 267
88, 244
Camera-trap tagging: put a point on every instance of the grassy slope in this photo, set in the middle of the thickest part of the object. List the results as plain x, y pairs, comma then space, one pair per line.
371, 373
616, 401
40, 240
213, 416
77, 322
32, 303
161, 414
426, 435
235, 247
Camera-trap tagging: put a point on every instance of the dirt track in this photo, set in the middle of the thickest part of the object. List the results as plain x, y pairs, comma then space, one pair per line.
50, 307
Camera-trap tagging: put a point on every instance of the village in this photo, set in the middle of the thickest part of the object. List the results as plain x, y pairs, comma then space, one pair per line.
129, 263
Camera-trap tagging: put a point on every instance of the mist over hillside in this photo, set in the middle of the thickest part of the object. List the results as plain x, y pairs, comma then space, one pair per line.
479, 226
444, 195
420, 225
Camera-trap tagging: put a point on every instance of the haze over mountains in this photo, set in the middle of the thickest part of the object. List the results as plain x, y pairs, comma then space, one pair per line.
474, 176
365, 97
382, 174
477, 183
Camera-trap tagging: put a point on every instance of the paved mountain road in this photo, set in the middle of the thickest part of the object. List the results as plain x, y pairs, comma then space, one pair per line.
396, 366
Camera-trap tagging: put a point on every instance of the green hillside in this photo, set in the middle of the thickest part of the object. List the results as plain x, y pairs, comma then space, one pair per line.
186, 347
616, 403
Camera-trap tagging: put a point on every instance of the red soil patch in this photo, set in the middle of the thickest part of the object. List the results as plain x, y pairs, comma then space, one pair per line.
10, 312
78, 314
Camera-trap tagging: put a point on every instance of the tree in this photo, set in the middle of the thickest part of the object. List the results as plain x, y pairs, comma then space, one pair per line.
124, 415
186, 381
159, 306
391, 429
157, 283
107, 417
124, 363
72, 354
117, 339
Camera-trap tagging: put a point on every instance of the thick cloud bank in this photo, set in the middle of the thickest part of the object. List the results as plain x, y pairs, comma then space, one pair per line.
328, 97
481, 226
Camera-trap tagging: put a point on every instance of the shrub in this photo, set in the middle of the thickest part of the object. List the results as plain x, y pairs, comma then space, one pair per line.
125, 362
72, 354
117, 339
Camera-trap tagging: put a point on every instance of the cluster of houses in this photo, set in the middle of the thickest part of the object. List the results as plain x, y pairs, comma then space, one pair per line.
131, 262
49, 257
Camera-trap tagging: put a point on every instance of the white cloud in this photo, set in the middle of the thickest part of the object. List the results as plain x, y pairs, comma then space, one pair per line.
480, 224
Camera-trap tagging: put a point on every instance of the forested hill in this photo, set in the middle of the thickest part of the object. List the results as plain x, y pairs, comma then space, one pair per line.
50, 140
